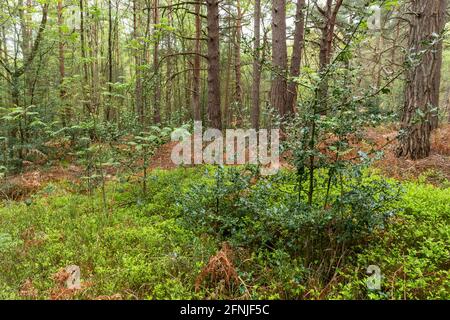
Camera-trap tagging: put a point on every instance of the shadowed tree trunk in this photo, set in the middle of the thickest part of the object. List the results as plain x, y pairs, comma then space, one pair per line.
25, 12
299, 33
279, 56
439, 20
138, 98
62, 91
227, 107
214, 109
227, 110
110, 62
169, 88
157, 87
237, 65
326, 47
420, 91
197, 64
255, 113
86, 100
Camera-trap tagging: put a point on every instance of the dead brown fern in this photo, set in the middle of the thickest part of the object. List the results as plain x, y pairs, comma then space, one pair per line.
60, 292
28, 291
220, 268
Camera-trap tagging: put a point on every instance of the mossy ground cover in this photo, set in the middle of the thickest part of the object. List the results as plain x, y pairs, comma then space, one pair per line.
141, 247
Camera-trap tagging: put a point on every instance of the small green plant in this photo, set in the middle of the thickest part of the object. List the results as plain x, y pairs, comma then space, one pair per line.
143, 146
26, 136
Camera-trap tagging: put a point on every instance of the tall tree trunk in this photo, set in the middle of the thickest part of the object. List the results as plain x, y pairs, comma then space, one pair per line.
110, 62
299, 33
326, 48
197, 64
255, 113
62, 91
279, 56
119, 69
26, 31
4, 57
169, 88
214, 109
96, 59
227, 110
157, 87
86, 99
138, 99
237, 65
420, 95
146, 96
440, 21
187, 77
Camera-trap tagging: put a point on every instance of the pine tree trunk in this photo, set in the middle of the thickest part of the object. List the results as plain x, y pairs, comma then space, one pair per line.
157, 87
326, 49
62, 91
237, 64
87, 104
110, 62
299, 33
214, 109
420, 92
169, 69
228, 112
279, 57
138, 99
440, 21
255, 113
197, 64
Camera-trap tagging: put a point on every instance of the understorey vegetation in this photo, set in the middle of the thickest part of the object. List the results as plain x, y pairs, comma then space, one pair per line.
169, 243
352, 96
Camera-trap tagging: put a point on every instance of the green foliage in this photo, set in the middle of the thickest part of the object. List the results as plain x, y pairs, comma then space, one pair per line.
134, 252
413, 254
27, 122
155, 246
269, 214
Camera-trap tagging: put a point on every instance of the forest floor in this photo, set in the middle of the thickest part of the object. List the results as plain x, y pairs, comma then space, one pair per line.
135, 244
435, 168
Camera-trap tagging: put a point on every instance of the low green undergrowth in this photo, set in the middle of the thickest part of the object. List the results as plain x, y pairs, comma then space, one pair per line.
154, 245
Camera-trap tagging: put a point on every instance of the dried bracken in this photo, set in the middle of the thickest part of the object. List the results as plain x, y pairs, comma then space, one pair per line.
61, 291
32, 238
28, 290
219, 268
19, 187
400, 168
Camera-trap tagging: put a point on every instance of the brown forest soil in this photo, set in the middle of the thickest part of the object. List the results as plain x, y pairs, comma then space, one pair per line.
437, 165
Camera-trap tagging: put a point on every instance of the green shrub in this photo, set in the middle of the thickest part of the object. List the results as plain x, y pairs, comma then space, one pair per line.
268, 214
